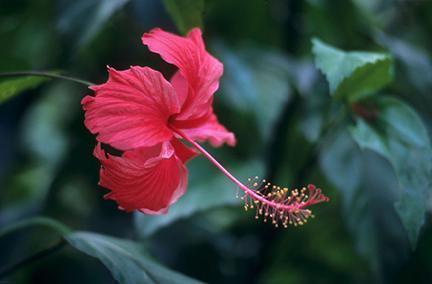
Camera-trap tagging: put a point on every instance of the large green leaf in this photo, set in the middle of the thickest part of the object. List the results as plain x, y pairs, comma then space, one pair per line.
368, 187
12, 87
208, 189
35, 221
186, 14
355, 74
125, 259
399, 135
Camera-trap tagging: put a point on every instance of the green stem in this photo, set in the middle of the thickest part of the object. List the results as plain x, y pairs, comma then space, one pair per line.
45, 74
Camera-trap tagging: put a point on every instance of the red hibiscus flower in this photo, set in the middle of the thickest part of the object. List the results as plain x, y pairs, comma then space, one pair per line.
136, 111
140, 113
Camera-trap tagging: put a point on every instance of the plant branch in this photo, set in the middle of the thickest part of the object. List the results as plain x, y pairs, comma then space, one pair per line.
45, 74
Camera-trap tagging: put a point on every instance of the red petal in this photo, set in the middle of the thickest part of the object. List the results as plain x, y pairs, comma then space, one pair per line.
148, 179
212, 131
201, 70
131, 109
181, 86
182, 151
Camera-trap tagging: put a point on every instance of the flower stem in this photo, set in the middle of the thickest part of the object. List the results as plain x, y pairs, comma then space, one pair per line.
45, 74
243, 187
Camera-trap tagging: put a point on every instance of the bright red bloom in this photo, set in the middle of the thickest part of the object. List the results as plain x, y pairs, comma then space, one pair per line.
142, 114
136, 110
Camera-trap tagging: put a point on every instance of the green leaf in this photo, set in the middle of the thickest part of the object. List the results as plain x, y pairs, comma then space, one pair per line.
352, 75
399, 135
341, 161
125, 259
36, 221
208, 189
12, 87
186, 14
367, 183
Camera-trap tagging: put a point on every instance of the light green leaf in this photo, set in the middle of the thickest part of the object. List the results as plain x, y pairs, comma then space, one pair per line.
355, 74
186, 14
12, 87
125, 259
399, 135
208, 189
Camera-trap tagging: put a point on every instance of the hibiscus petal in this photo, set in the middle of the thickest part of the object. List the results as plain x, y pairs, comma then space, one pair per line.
181, 86
131, 109
147, 179
182, 151
212, 131
201, 70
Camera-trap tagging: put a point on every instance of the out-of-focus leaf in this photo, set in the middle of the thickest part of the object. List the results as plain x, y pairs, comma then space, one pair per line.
399, 135
43, 134
256, 80
368, 187
414, 76
45, 144
125, 259
355, 74
36, 221
208, 189
417, 61
25, 192
186, 14
12, 87
83, 19
341, 162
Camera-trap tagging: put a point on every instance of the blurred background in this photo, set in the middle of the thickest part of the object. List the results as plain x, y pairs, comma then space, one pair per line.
288, 126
